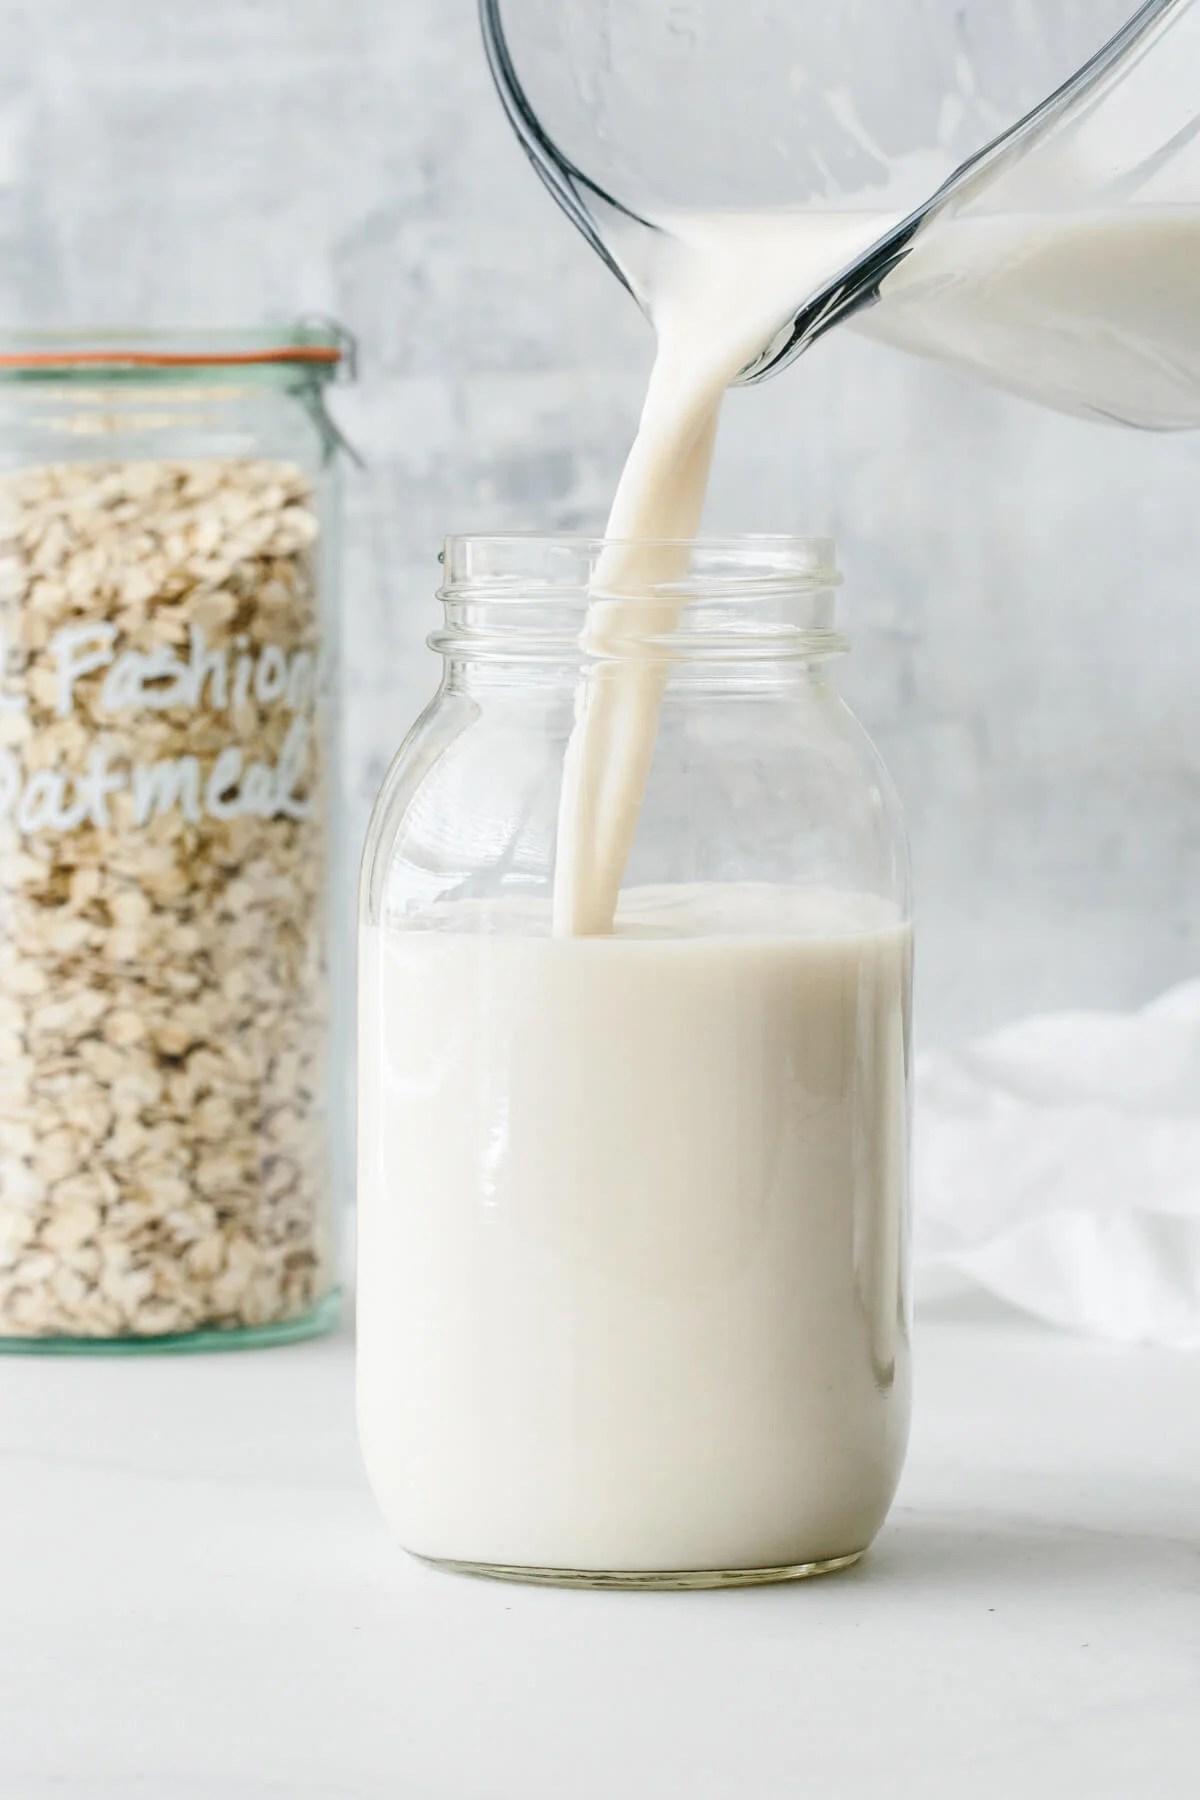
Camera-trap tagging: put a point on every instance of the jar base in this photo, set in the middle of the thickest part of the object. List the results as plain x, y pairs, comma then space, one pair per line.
319, 1319
646, 1580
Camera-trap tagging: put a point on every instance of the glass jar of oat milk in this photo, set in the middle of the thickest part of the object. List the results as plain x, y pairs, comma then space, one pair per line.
166, 742
633, 1210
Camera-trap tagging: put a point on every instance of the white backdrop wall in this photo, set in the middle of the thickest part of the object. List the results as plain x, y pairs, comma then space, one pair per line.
1022, 588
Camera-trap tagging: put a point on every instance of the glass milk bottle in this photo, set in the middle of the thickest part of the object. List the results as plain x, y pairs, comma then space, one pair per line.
633, 1213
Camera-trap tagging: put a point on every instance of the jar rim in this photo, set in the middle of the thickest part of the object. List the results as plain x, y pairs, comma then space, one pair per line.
525, 596
534, 565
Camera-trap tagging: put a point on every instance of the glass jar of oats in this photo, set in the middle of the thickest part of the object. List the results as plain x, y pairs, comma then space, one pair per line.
166, 831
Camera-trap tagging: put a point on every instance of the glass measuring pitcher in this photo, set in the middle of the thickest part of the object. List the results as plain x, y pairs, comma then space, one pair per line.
1024, 183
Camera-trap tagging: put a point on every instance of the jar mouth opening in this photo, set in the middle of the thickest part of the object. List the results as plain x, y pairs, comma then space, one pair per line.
525, 596
532, 566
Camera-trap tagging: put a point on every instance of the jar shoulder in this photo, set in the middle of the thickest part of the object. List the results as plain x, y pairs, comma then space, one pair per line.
780, 785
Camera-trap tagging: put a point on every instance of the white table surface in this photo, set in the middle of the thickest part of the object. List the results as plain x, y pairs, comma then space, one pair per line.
199, 1604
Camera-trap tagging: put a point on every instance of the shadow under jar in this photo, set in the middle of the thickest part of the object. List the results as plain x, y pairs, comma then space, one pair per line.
633, 1216
167, 638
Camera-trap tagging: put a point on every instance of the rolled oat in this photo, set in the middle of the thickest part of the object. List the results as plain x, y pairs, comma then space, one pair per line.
163, 1004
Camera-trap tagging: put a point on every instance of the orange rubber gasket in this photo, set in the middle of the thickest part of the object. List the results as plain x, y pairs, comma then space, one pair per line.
169, 359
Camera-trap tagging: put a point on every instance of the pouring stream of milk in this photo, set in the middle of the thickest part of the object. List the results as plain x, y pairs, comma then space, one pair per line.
721, 285
1093, 313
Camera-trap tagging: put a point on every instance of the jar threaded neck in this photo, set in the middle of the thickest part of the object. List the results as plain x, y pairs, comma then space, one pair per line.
527, 597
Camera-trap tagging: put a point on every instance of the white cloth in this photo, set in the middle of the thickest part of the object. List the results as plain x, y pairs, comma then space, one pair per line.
1057, 1163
